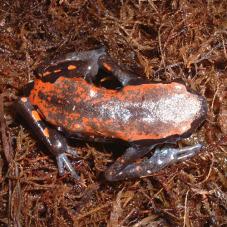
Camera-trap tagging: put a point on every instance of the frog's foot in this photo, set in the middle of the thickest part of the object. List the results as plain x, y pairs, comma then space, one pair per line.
53, 139
123, 168
64, 163
166, 156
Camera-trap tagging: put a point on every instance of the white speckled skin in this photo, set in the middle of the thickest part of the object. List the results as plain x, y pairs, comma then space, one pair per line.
141, 112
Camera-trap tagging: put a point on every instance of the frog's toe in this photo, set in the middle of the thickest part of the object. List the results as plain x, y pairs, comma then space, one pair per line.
187, 152
64, 163
71, 151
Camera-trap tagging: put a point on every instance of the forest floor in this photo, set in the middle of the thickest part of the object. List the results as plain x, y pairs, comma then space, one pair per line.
160, 40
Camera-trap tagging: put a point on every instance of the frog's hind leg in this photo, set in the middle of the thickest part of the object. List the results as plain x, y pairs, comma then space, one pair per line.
116, 170
160, 159
54, 141
123, 76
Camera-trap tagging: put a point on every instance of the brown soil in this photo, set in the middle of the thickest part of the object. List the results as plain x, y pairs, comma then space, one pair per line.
162, 40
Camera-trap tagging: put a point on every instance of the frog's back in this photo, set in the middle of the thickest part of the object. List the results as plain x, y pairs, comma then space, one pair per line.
136, 112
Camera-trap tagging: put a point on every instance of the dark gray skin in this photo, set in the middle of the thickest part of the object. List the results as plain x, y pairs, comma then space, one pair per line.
124, 168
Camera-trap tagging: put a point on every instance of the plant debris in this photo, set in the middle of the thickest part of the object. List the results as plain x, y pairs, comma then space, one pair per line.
161, 40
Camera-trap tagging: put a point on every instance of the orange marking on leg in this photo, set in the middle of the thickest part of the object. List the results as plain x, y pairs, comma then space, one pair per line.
46, 132
122, 160
57, 71
107, 67
46, 73
71, 67
24, 99
36, 115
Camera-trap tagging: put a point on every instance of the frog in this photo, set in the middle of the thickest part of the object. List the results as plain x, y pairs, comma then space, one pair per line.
64, 101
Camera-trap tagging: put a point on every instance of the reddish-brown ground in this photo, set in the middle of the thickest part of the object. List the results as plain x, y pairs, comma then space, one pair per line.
162, 40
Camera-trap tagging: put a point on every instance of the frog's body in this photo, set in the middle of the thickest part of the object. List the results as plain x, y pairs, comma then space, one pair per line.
141, 113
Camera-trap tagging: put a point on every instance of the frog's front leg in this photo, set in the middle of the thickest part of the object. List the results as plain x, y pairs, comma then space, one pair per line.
123, 76
53, 140
123, 168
